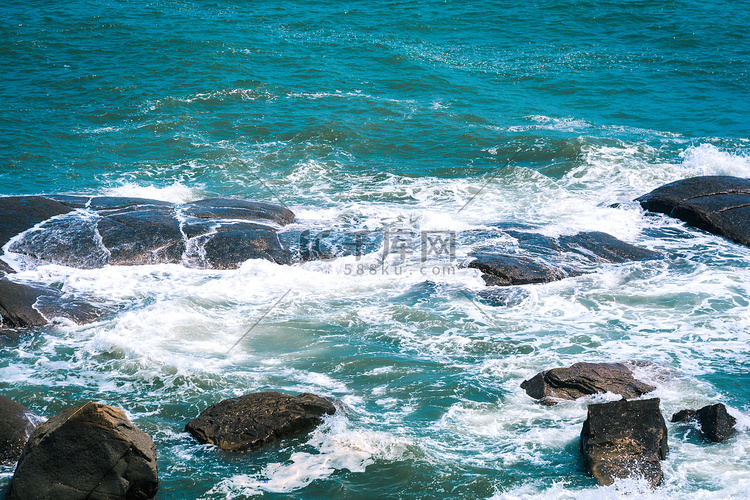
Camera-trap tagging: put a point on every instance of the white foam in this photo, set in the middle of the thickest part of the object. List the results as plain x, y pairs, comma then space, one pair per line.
176, 192
338, 447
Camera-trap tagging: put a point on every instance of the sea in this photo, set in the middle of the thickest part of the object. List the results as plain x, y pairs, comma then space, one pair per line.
415, 117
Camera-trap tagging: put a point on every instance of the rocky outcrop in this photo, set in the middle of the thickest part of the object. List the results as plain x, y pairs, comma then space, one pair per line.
253, 420
622, 439
91, 232
717, 204
24, 305
535, 258
715, 423
582, 379
88, 452
16, 425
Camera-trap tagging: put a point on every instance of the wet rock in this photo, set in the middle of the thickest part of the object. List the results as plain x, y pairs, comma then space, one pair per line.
534, 258
5, 268
228, 249
717, 204
254, 420
604, 247
506, 270
20, 213
88, 232
23, 306
582, 379
16, 425
231, 208
17, 305
147, 236
715, 423
87, 452
622, 439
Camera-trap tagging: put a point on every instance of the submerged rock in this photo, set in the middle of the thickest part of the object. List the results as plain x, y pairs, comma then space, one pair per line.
534, 258
254, 420
582, 379
715, 423
623, 439
717, 204
16, 425
87, 452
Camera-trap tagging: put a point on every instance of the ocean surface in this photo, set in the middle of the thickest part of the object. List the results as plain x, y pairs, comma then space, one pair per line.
412, 117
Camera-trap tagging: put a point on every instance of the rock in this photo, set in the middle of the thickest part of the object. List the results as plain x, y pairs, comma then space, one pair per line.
717, 204
622, 439
254, 420
228, 249
146, 236
17, 305
604, 247
715, 423
87, 452
231, 208
535, 258
5, 268
93, 232
24, 306
506, 270
20, 213
582, 379
16, 424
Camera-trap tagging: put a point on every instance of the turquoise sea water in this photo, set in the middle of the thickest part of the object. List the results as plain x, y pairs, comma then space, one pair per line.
375, 115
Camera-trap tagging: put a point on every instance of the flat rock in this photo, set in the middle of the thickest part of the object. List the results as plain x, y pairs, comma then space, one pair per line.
535, 258
623, 439
16, 425
717, 204
582, 379
87, 452
254, 420
715, 423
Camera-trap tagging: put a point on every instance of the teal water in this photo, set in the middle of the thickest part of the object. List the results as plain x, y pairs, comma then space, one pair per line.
375, 115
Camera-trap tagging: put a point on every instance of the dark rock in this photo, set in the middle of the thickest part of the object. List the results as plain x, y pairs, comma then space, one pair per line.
5, 268
583, 379
17, 305
20, 213
505, 270
606, 248
535, 258
622, 439
254, 420
88, 452
717, 204
683, 416
715, 423
219, 233
24, 306
70, 240
16, 424
230, 208
147, 236
228, 249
